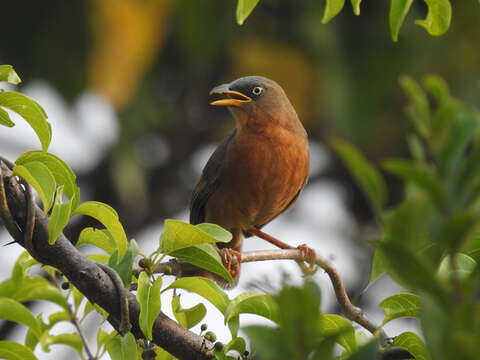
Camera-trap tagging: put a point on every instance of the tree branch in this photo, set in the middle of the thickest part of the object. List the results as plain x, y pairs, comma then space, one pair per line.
87, 276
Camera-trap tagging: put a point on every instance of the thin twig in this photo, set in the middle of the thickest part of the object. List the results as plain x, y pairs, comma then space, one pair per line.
75, 322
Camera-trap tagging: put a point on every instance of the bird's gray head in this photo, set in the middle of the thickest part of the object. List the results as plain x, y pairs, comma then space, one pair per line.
257, 101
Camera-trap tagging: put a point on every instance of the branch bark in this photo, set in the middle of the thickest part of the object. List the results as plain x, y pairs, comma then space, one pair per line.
89, 278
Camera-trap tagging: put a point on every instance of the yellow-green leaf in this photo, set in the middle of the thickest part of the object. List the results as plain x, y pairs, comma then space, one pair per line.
123, 347
10, 350
5, 119
398, 11
148, 296
109, 218
9, 75
332, 8
333, 324
59, 217
40, 178
204, 287
356, 6
244, 8
252, 303
31, 111
190, 317
438, 17
99, 238
400, 305
12, 310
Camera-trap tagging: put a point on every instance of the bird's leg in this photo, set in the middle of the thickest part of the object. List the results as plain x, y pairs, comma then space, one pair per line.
308, 253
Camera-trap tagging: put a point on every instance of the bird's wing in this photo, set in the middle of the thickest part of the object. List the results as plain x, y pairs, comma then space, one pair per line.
209, 182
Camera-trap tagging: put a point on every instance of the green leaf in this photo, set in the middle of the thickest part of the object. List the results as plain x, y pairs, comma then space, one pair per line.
62, 173
252, 303
421, 176
367, 351
59, 217
413, 344
70, 339
10, 350
406, 266
219, 233
267, 341
356, 6
336, 325
238, 344
205, 257
125, 265
465, 265
99, 238
418, 108
148, 296
379, 266
398, 12
42, 180
9, 75
244, 9
179, 235
12, 310
38, 288
109, 218
438, 17
5, 119
204, 287
364, 172
400, 305
31, 111
123, 347
332, 8
188, 318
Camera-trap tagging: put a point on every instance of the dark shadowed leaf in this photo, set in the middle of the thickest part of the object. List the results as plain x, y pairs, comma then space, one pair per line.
364, 172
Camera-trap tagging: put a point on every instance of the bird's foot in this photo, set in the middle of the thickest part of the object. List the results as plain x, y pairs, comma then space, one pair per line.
231, 260
308, 265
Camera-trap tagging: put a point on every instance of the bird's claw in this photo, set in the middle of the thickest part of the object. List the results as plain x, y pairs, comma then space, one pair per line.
231, 260
308, 265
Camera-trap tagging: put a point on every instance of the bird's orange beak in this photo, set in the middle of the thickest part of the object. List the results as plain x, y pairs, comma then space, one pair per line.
231, 98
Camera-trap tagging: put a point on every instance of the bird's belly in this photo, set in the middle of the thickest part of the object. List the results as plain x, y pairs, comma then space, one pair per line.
263, 178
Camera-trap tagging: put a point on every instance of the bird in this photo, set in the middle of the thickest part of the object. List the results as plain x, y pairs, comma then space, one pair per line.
255, 173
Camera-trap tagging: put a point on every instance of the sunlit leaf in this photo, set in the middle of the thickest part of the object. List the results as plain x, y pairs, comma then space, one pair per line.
62, 173
9, 75
438, 17
178, 235
252, 303
244, 9
14, 311
5, 119
10, 350
190, 317
465, 265
398, 12
219, 233
205, 257
343, 330
59, 217
204, 287
332, 8
364, 172
99, 238
70, 339
122, 347
413, 344
39, 288
31, 112
148, 296
41, 178
400, 305
109, 218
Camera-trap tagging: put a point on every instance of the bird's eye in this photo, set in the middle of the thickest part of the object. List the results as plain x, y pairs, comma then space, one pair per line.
257, 90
